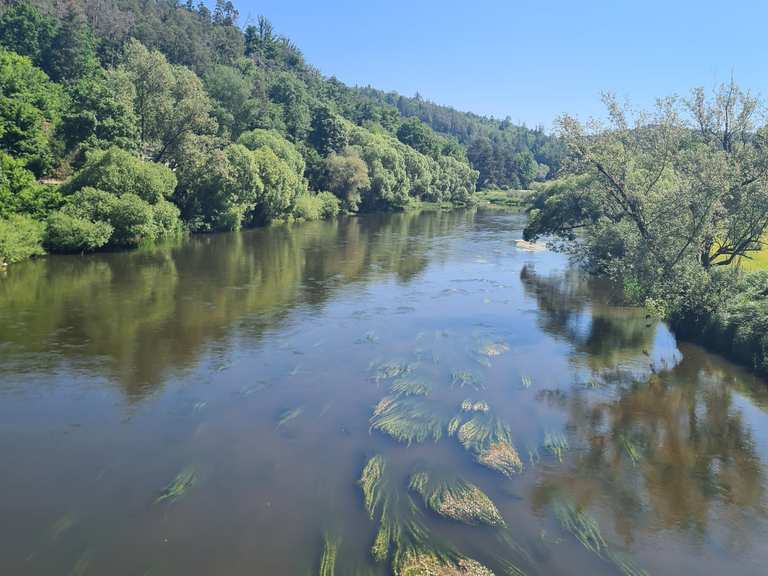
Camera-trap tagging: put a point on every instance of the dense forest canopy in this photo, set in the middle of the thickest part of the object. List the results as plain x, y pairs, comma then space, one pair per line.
248, 131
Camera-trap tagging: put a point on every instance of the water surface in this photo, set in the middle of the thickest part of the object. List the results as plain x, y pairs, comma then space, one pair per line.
249, 361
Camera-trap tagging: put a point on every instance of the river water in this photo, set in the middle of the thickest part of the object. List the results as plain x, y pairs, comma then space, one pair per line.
205, 408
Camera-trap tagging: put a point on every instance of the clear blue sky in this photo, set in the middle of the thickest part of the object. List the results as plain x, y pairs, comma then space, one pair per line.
529, 60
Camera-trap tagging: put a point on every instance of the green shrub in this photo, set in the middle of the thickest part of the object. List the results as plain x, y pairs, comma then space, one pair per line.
166, 219
316, 206
119, 172
20, 238
132, 220
66, 233
730, 315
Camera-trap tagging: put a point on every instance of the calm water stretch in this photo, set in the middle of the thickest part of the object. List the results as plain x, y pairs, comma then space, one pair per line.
208, 408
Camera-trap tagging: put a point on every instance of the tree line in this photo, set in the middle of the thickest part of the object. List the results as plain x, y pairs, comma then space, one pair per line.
126, 121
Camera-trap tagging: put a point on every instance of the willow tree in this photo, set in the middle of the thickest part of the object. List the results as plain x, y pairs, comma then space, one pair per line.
657, 195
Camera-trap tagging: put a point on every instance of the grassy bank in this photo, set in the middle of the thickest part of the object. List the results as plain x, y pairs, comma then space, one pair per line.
504, 198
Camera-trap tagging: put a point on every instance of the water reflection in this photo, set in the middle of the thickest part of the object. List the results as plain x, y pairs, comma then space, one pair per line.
138, 315
259, 359
662, 449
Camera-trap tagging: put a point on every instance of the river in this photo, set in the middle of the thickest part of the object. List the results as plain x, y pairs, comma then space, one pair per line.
207, 407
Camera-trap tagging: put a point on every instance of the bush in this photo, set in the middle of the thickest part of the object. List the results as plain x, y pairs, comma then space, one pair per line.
729, 314
119, 172
316, 206
20, 238
132, 220
123, 221
66, 233
281, 186
166, 219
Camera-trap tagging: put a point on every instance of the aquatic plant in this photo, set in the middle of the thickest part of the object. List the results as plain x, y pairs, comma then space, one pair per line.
587, 531
402, 535
370, 482
453, 425
399, 523
390, 369
469, 406
410, 387
631, 448
330, 549
491, 441
557, 444
61, 525
183, 481
624, 565
427, 564
490, 348
456, 498
407, 419
288, 415
502, 457
581, 525
462, 378
368, 338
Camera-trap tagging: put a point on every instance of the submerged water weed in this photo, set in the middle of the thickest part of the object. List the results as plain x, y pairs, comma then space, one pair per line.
631, 449
410, 387
456, 499
625, 565
469, 406
183, 481
465, 378
429, 564
533, 456
402, 535
407, 419
453, 425
390, 369
368, 338
399, 524
581, 525
370, 483
587, 531
491, 348
491, 441
502, 457
330, 550
61, 525
556, 444
289, 415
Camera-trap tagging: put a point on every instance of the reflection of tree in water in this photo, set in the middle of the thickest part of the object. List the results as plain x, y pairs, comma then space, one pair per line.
142, 313
569, 308
665, 451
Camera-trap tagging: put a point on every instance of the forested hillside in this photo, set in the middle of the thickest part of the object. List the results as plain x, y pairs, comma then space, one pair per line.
125, 121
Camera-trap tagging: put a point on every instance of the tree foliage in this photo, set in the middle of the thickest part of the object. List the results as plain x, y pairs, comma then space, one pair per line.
661, 198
